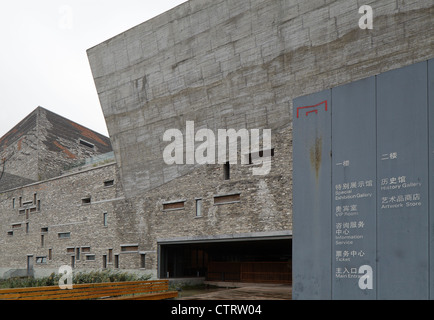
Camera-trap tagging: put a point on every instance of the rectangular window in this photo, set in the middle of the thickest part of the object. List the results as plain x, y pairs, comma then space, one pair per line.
90, 257
28, 203
143, 261
64, 235
109, 183
85, 201
41, 260
42, 240
10, 233
85, 249
105, 219
70, 250
226, 199
22, 211
171, 206
27, 227
87, 144
110, 255
198, 207
50, 254
34, 199
16, 226
130, 248
39, 205
227, 171
13, 203
116, 261
77, 253
104, 261
21, 201
45, 229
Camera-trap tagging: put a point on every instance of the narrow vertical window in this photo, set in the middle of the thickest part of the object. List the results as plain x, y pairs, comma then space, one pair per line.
105, 219
39, 205
34, 198
21, 201
27, 227
198, 207
116, 261
42, 240
50, 254
110, 256
227, 171
143, 261
104, 261
13, 203
77, 253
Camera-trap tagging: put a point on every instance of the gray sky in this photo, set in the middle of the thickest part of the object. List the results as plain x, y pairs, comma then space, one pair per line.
43, 59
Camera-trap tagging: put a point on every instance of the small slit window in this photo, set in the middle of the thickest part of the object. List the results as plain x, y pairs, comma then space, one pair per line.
85, 201
87, 144
227, 199
85, 249
90, 257
109, 183
130, 248
64, 235
171, 206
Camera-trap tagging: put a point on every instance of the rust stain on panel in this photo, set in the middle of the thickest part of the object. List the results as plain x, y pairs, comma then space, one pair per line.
316, 156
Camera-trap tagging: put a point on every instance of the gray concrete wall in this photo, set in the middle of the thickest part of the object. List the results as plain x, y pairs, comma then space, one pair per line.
239, 64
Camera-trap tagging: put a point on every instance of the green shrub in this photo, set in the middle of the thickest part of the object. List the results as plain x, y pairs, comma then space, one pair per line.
78, 278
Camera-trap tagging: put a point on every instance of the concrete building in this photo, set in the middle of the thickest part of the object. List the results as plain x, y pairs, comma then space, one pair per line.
221, 64
233, 65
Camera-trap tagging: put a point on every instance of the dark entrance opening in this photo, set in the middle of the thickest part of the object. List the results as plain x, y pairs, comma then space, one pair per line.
261, 261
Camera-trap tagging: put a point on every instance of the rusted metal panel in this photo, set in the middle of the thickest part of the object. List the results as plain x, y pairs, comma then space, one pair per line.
311, 196
353, 187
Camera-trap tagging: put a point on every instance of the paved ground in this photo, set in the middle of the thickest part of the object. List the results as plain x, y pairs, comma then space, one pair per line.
256, 292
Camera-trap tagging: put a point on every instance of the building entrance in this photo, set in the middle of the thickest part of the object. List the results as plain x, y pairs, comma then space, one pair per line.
259, 261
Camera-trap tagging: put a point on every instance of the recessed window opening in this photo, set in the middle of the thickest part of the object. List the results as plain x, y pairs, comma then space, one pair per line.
90, 257
45, 229
109, 183
87, 144
227, 199
143, 261
257, 155
105, 219
170, 206
130, 248
42, 240
85, 201
227, 171
41, 260
198, 207
64, 235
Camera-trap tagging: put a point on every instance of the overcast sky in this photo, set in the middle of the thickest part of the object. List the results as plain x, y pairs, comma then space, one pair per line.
43, 60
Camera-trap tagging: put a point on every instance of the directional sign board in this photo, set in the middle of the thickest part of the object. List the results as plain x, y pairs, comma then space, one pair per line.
362, 155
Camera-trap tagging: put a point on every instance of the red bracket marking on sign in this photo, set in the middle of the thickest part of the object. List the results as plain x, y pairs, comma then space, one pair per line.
311, 107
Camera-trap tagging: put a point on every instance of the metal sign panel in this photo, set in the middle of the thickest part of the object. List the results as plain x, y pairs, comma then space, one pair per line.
366, 208
312, 187
353, 187
402, 161
431, 169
